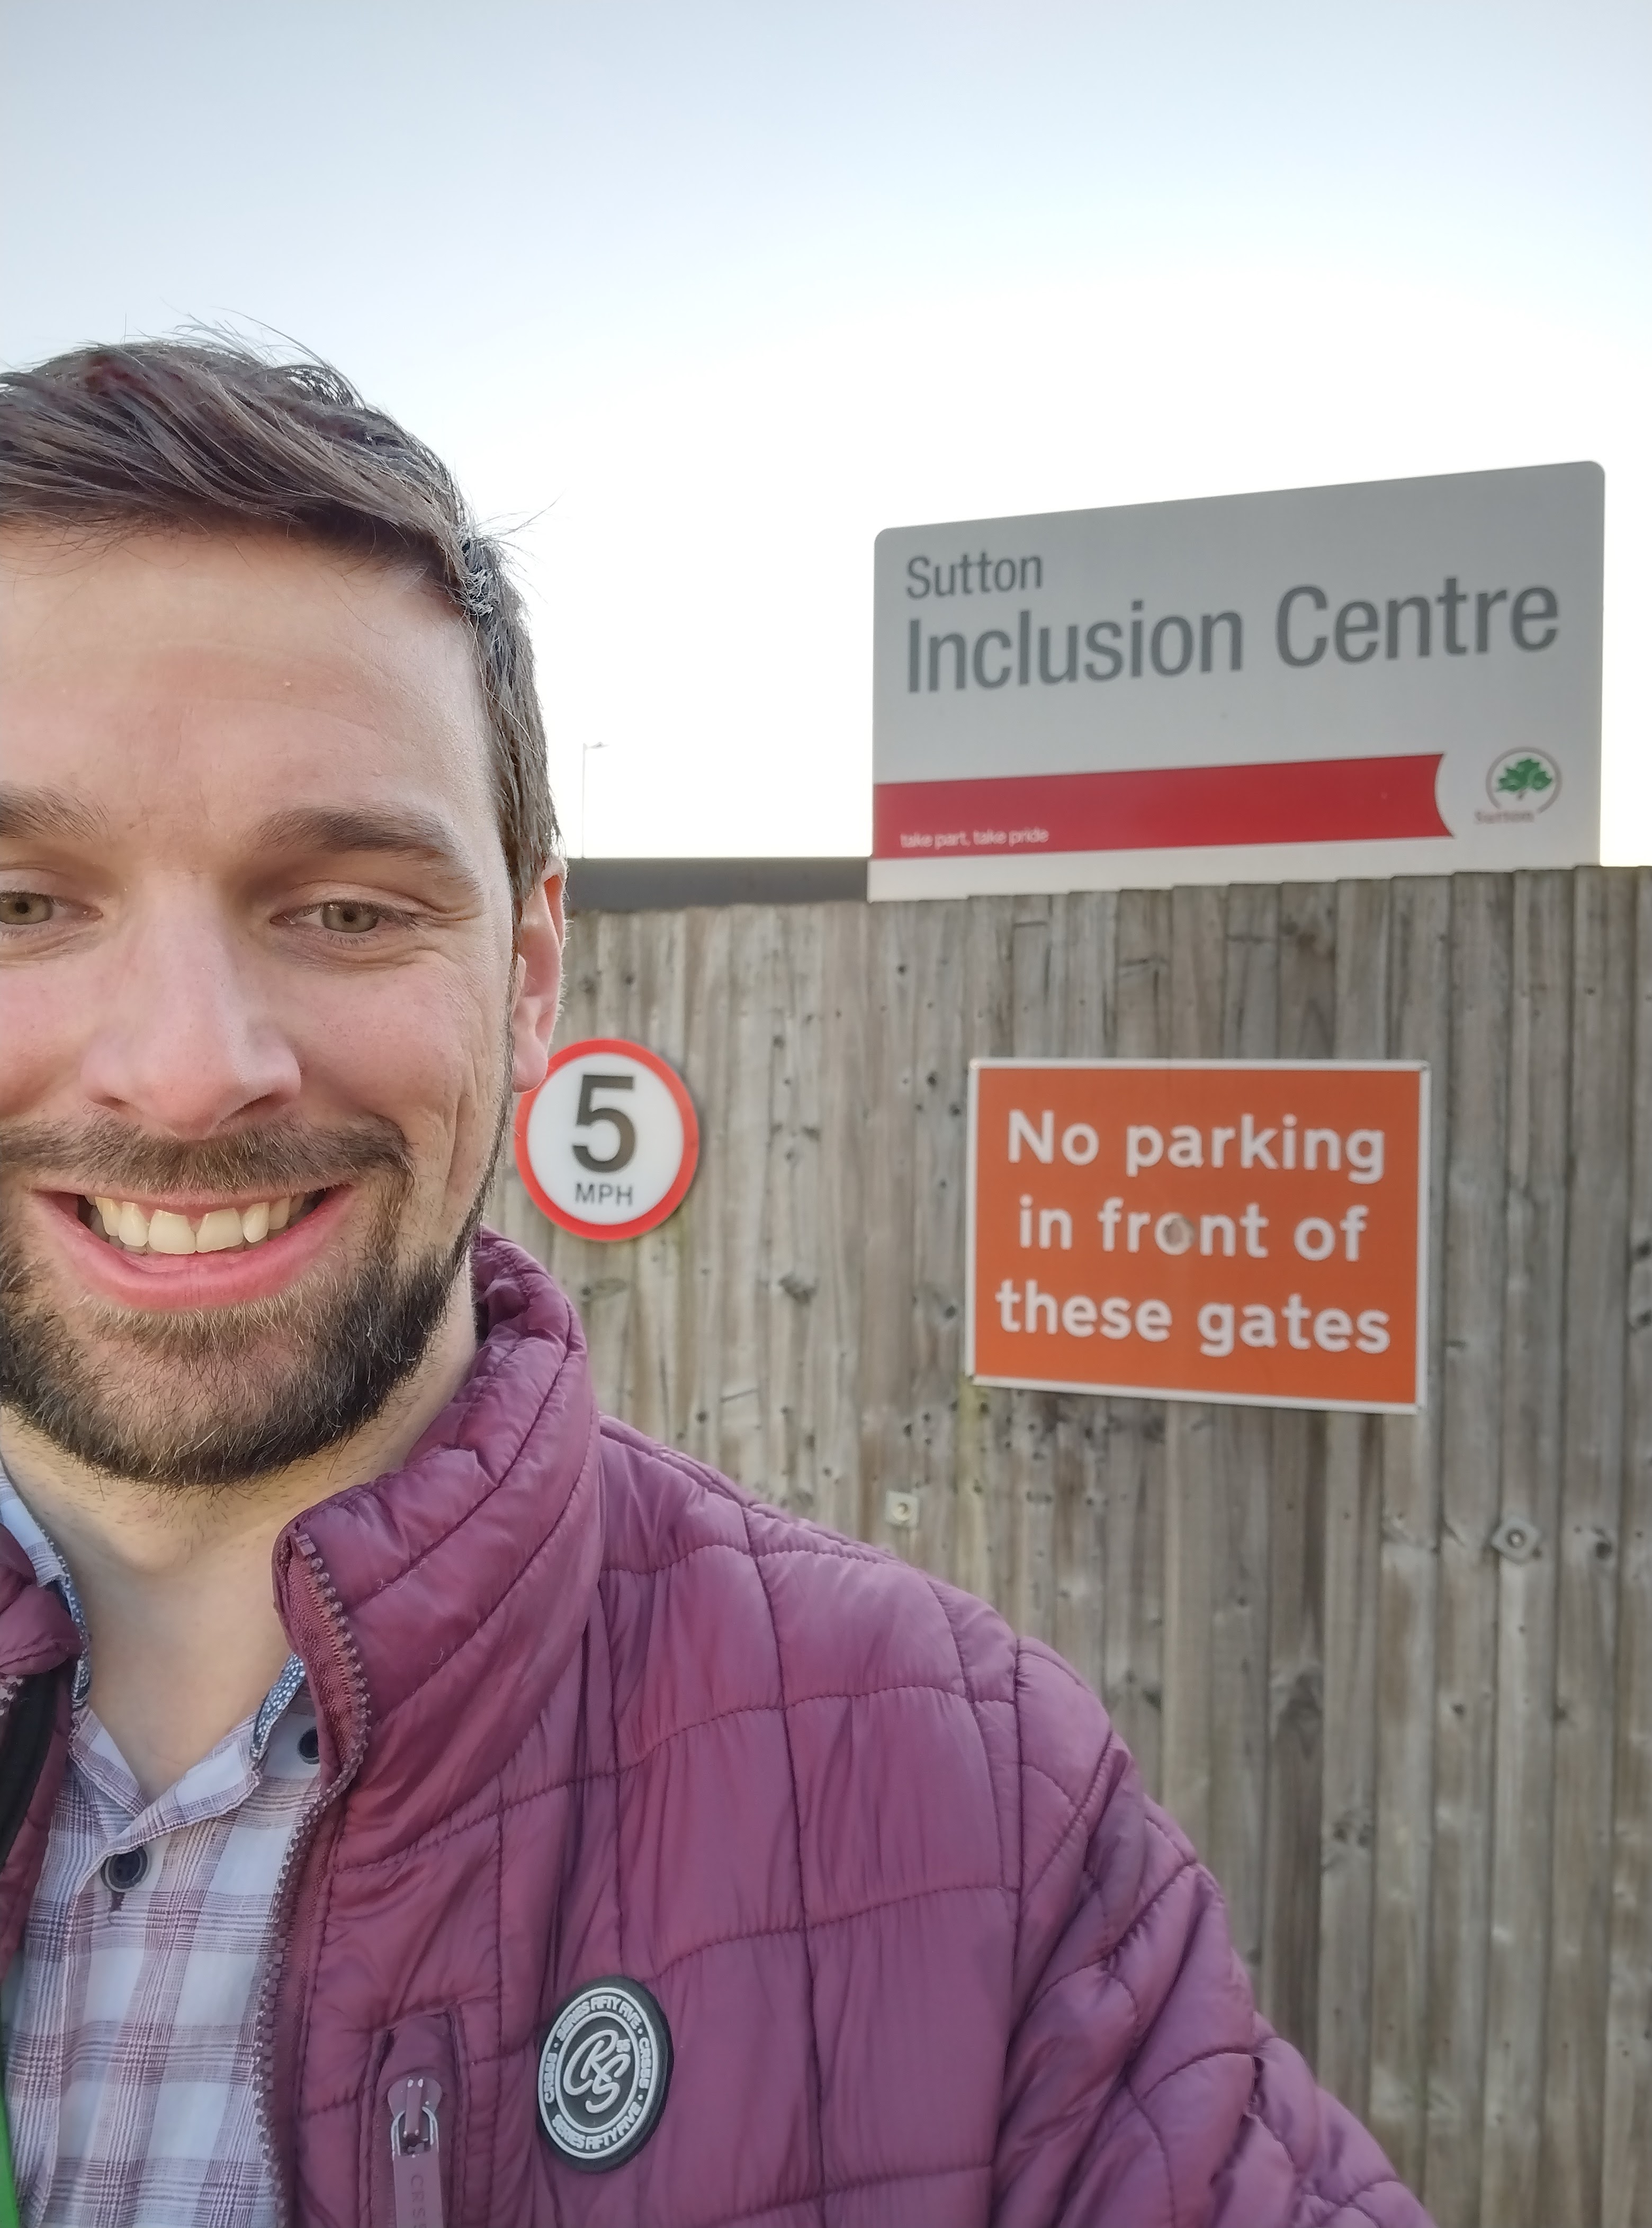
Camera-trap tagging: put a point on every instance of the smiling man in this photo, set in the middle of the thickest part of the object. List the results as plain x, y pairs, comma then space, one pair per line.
422, 1800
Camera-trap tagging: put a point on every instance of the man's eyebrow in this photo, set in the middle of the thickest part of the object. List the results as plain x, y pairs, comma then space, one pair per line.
50, 812
404, 830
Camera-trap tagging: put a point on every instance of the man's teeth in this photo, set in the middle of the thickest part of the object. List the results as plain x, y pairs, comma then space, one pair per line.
224, 1228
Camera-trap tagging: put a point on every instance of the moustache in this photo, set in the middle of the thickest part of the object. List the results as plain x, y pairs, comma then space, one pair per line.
101, 1154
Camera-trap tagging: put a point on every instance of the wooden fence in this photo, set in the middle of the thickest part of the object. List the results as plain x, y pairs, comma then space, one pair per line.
1418, 1756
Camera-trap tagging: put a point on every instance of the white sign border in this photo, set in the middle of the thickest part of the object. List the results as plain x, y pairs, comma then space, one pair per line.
642, 1226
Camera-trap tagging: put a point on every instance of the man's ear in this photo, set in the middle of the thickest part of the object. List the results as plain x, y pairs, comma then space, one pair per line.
538, 995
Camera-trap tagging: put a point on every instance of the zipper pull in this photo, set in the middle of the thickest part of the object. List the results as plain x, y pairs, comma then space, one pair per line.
415, 2151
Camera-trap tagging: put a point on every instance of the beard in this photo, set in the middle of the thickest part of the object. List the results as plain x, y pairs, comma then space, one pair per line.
217, 1396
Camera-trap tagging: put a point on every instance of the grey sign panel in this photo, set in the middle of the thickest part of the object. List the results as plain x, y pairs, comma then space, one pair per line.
1399, 676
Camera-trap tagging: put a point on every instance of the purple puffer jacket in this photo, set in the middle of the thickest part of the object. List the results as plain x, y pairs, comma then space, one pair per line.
928, 1958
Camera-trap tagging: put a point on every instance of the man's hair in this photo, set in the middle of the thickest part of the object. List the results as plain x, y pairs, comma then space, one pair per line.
176, 433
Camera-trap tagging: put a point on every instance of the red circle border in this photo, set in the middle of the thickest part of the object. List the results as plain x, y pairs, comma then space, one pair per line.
609, 1232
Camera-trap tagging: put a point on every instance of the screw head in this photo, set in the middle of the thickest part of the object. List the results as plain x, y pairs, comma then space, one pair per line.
1516, 1539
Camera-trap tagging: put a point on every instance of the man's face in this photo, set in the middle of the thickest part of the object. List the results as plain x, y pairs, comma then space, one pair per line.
259, 1011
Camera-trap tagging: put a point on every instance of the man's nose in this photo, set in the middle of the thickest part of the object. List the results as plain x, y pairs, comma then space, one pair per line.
185, 1044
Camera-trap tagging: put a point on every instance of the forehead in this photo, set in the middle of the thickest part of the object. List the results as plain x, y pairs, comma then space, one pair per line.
233, 671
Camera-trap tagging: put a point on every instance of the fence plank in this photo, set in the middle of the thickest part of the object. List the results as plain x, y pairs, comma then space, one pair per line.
744, 1142
1590, 1510
788, 1273
1534, 1287
1191, 1490
1530, 1495
1349, 1799
1081, 1471
1419, 1028
709, 968
988, 975
940, 1110
1287, 1976
1352, 1550
1465, 1672
837, 1306
1080, 1633
1241, 1502
1038, 994
886, 1134
1627, 2110
1289, 1971
659, 1268
1133, 1578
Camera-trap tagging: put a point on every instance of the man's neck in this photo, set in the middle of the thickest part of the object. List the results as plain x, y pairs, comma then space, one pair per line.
176, 1584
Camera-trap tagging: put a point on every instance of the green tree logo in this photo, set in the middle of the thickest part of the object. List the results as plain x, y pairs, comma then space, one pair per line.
1527, 777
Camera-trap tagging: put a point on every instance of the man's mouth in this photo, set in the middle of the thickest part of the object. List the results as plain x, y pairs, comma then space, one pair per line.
136, 1229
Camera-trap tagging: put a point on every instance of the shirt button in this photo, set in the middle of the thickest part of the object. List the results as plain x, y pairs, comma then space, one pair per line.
309, 1746
125, 1870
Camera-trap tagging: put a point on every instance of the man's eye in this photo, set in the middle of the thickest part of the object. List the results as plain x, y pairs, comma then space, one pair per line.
349, 916
24, 909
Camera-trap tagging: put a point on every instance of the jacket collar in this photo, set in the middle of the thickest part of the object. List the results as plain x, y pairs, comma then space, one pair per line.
37, 1634
435, 1607
36, 1630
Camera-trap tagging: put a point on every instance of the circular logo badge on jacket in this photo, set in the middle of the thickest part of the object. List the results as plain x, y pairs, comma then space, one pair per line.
603, 2074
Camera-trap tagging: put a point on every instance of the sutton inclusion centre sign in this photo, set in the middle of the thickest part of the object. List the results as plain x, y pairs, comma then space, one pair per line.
1397, 677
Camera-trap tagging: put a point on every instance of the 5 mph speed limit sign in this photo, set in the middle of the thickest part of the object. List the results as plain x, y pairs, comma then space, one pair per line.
607, 1144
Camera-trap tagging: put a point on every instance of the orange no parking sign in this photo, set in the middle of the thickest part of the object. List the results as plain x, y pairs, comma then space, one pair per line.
1201, 1229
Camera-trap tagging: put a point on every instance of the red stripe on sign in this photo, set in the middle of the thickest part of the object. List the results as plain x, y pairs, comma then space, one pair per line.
1316, 801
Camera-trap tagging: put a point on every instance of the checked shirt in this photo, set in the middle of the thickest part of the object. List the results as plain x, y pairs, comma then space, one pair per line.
130, 2079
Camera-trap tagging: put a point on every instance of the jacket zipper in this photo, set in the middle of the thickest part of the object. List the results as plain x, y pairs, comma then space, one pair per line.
415, 2151
284, 1902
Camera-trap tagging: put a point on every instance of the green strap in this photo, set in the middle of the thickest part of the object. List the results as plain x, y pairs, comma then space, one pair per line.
9, 2216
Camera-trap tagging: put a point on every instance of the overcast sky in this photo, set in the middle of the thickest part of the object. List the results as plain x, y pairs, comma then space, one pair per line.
701, 296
